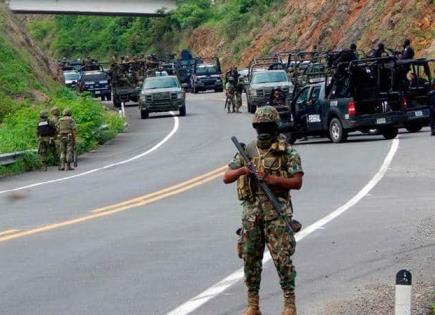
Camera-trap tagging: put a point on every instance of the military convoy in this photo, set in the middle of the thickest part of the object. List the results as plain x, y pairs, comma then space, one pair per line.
323, 98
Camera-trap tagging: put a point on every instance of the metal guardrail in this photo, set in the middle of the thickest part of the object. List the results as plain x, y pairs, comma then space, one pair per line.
12, 157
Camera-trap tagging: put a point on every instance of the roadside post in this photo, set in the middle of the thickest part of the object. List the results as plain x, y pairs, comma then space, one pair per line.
403, 293
123, 109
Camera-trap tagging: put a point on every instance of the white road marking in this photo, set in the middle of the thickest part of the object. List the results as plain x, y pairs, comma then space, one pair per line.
134, 158
236, 276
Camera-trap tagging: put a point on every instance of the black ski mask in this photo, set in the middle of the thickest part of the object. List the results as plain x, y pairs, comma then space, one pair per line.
267, 134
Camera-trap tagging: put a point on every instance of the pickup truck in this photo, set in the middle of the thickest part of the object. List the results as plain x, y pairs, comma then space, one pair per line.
356, 102
97, 83
415, 83
162, 94
261, 85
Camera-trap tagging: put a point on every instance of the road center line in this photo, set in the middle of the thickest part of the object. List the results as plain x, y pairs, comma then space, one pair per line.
218, 288
162, 192
8, 232
134, 158
120, 207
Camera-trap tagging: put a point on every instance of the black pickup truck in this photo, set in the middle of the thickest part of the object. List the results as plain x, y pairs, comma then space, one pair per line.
414, 81
360, 99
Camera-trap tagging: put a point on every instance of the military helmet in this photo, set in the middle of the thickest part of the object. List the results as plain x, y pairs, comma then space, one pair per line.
266, 114
66, 112
55, 111
43, 114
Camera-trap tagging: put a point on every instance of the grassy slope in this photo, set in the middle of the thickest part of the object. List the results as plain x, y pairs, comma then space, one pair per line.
27, 86
239, 30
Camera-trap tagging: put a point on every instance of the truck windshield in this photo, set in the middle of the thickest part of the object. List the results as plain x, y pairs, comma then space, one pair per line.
95, 77
268, 77
71, 76
204, 70
160, 83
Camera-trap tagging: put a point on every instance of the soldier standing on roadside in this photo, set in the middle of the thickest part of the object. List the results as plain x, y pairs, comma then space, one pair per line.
279, 165
45, 132
67, 133
54, 120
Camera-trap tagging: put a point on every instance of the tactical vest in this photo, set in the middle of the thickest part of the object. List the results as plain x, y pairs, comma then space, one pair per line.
272, 162
45, 129
66, 125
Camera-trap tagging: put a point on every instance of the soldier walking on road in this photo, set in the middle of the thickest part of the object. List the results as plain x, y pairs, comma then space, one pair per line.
45, 132
67, 133
279, 166
54, 120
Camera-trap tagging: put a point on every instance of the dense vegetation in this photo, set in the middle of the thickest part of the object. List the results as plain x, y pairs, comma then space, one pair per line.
25, 91
75, 36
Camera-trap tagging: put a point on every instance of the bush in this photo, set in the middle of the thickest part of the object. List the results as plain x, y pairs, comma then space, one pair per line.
18, 130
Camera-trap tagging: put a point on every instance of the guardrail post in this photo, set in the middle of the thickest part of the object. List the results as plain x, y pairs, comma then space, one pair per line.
403, 293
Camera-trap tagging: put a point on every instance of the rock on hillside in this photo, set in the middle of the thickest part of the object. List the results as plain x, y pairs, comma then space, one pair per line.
330, 24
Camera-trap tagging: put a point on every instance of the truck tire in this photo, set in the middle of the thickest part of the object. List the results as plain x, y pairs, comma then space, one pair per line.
194, 90
182, 110
390, 133
109, 97
413, 127
116, 102
251, 108
144, 114
336, 131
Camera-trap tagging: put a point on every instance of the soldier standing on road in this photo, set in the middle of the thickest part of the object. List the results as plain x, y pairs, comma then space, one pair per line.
45, 132
67, 133
230, 91
54, 120
279, 165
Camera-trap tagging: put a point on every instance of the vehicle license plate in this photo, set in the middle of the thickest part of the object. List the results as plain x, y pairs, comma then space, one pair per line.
97, 92
418, 113
381, 121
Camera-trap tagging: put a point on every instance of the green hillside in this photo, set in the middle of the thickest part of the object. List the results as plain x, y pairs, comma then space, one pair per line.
27, 86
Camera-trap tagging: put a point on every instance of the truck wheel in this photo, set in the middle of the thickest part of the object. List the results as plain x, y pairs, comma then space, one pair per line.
144, 114
252, 108
194, 90
109, 97
390, 133
413, 127
182, 110
116, 102
336, 131
103, 98
291, 138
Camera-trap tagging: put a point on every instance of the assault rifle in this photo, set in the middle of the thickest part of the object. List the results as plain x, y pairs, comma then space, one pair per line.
263, 186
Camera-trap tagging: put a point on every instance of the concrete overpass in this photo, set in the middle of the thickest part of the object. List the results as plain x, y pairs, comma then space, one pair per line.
91, 7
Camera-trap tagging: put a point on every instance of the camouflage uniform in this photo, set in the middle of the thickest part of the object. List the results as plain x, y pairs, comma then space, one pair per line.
66, 130
54, 119
261, 224
230, 102
45, 132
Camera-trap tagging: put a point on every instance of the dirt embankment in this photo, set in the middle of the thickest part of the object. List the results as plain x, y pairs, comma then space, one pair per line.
42, 66
332, 24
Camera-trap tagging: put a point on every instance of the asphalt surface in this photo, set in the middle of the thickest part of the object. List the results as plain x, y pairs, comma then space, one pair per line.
150, 258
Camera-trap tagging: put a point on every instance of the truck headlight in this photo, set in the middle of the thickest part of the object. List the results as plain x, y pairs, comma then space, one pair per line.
180, 95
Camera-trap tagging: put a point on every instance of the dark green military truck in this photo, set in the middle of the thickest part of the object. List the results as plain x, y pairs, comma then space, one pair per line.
360, 99
162, 94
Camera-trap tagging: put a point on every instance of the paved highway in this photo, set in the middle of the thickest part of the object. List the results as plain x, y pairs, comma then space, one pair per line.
145, 224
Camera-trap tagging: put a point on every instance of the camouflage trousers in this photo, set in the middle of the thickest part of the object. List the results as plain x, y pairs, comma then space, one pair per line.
66, 148
263, 227
44, 148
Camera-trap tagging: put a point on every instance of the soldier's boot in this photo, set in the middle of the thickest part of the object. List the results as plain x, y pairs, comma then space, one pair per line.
62, 166
68, 167
289, 303
253, 305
